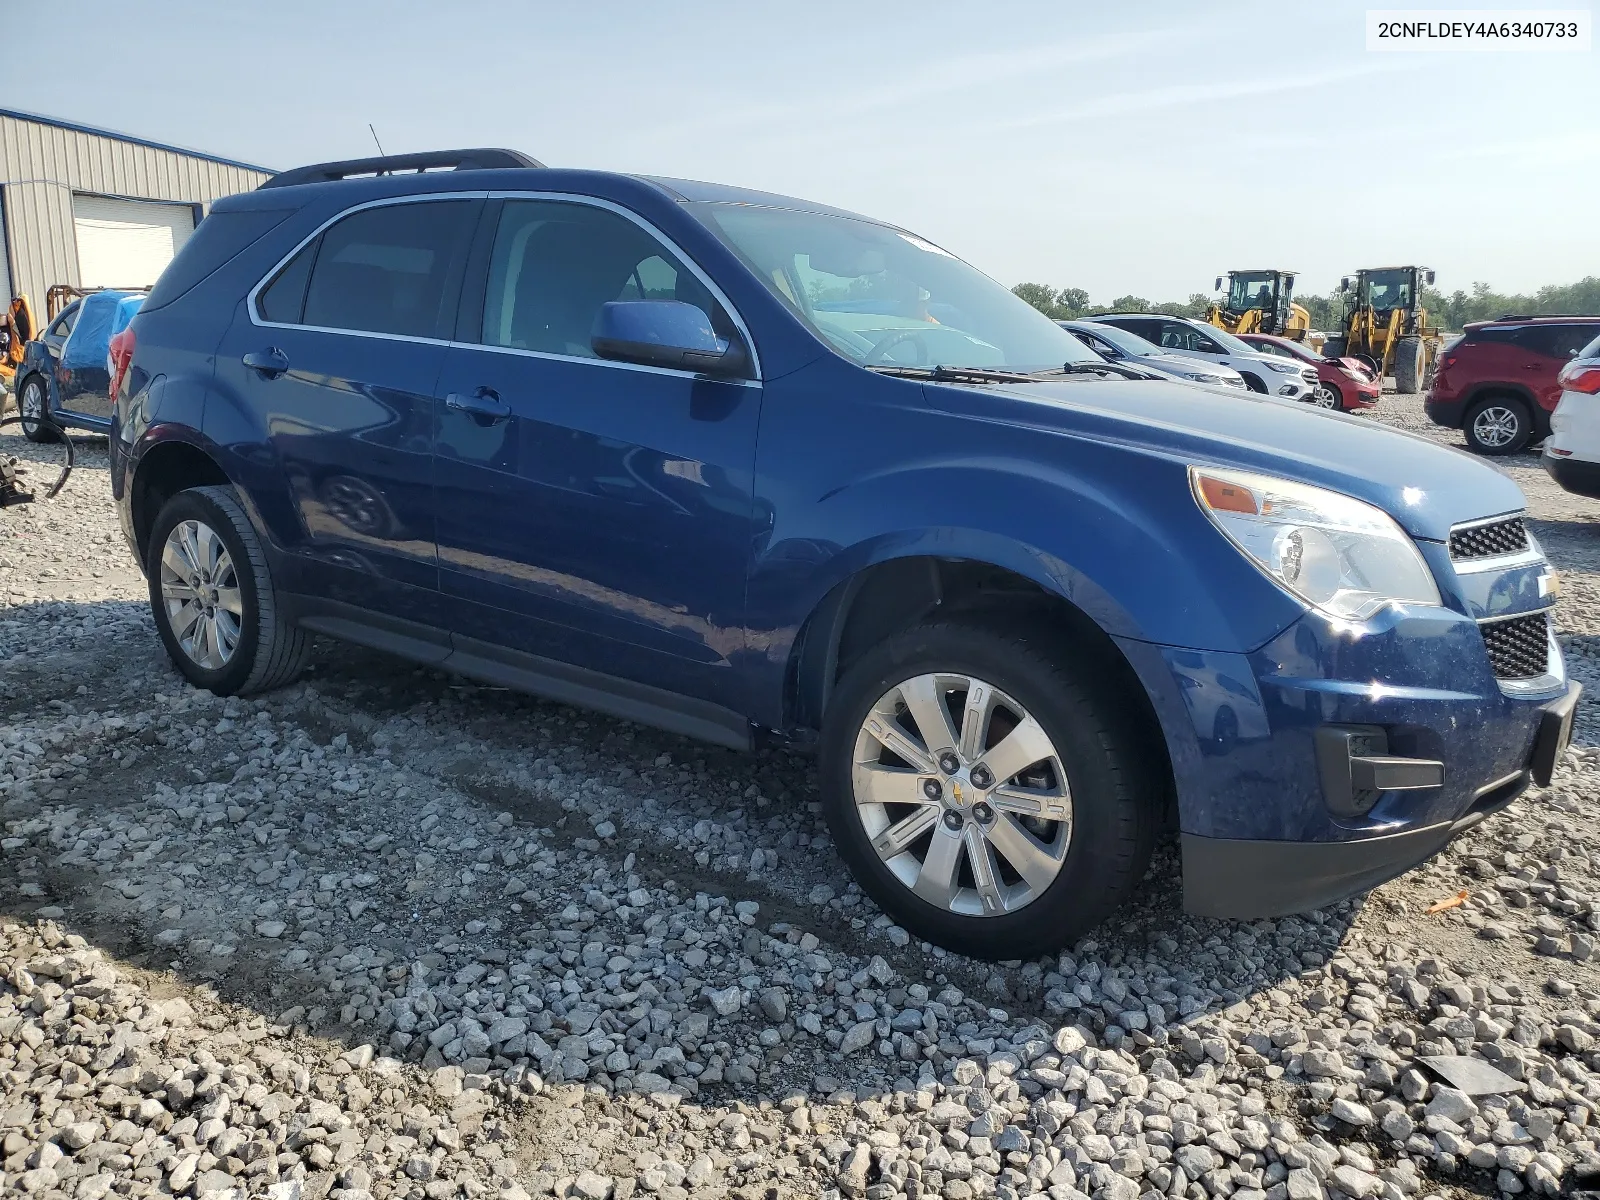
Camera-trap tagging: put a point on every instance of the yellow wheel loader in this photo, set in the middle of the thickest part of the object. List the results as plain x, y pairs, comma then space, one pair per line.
1386, 327
1260, 302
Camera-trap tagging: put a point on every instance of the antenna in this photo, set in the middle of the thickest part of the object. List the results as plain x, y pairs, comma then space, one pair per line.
374, 133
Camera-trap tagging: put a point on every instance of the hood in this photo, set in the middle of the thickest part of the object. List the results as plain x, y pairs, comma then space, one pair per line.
1425, 487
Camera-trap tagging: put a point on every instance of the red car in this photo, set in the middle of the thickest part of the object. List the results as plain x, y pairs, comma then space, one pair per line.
1498, 383
1342, 383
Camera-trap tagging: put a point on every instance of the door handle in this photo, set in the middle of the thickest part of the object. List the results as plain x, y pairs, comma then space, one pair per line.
268, 363
484, 406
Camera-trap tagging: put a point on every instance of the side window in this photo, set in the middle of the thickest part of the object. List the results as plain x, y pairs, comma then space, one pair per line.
555, 264
63, 325
393, 269
1561, 341
1180, 337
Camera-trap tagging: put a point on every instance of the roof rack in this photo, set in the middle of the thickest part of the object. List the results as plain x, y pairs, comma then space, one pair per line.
391, 164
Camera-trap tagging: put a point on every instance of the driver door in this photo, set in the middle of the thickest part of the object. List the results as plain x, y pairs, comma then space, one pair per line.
590, 512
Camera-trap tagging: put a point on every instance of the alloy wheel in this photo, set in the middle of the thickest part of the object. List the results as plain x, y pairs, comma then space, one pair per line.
1496, 426
1325, 396
962, 794
200, 593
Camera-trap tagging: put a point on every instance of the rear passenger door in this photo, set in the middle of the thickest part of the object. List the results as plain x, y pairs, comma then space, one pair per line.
332, 361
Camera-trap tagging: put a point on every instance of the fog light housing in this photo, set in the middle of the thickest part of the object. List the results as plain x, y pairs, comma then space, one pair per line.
1356, 769
1286, 389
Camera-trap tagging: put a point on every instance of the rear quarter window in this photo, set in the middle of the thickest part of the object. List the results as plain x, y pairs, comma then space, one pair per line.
215, 240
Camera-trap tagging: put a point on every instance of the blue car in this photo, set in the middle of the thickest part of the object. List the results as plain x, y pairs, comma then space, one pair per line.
64, 379
753, 469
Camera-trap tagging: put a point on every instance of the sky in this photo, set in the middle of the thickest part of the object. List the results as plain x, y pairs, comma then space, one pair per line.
1120, 148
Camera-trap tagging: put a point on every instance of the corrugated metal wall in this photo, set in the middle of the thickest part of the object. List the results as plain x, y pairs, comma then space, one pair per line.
42, 165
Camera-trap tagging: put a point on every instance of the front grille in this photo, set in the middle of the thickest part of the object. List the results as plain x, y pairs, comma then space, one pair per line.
1509, 536
1518, 646
1309, 374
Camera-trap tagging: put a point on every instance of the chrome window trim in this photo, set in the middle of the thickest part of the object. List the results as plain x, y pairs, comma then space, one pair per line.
514, 194
1494, 520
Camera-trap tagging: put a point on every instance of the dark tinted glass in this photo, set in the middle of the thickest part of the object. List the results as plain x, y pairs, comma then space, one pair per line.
554, 266
1506, 335
389, 269
64, 323
284, 298
215, 240
1561, 341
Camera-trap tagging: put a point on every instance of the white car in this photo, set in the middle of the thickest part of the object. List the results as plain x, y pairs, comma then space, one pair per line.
1195, 339
1572, 451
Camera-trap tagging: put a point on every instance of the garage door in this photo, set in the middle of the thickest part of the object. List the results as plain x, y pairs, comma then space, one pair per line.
127, 243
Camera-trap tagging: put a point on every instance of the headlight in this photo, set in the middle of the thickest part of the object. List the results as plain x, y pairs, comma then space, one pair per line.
1337, 554
1358, 376
1284, 368
1200, 378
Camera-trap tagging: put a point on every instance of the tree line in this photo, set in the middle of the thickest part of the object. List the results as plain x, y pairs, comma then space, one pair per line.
1449, 312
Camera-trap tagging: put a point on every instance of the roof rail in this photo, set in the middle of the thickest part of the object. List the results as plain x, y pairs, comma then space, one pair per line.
1546, 316
390, 164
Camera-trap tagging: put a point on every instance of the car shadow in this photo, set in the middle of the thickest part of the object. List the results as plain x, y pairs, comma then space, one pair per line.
331, 854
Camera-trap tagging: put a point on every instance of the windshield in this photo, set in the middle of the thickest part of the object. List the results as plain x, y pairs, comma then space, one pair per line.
883, 297
1247, 291
1227, 341
1386, 290
1128, 343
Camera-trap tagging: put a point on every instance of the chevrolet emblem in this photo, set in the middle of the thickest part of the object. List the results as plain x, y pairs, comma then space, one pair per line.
955, 792
1549, 584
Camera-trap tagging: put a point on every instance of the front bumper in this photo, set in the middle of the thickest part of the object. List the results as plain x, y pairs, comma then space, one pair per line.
1246, 878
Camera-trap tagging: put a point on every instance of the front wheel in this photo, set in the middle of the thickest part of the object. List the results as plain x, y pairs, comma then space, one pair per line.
33, 406
213, 598
1327, 396
1253, 382
1498, 425
984, 793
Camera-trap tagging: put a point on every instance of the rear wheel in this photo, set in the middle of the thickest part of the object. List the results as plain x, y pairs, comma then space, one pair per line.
1497, 425
1409, 362
984, 792
214, 602
33, 406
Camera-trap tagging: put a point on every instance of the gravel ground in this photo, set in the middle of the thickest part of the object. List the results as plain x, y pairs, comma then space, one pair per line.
390, 934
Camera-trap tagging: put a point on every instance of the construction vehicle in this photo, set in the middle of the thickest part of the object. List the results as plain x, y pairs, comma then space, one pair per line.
1386, 327
1260, 302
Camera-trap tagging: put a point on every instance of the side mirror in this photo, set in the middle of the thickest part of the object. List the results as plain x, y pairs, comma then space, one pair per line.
1344, 284
664, 333
1217, 286
1428, 279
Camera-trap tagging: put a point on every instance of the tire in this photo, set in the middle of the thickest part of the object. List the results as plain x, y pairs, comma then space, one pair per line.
1326, 395
266, 652
1497, 426
1253, 382
1334, 347
1409, 363
1111, 802
33, 406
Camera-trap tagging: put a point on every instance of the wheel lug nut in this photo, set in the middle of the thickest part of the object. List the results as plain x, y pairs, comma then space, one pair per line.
952, 820
982, 813
982, 776
949, 763
932, 790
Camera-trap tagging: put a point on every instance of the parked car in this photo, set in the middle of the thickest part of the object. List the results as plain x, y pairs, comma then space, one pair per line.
1572, 451
1266, 373
1343, 383
64, 380
1118, 345
753, 469
1500, 382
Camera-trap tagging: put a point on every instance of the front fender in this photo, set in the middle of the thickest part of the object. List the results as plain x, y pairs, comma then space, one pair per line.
1112, 529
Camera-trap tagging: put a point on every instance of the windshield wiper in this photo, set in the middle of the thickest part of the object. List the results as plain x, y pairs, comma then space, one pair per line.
1099, 368
944, 374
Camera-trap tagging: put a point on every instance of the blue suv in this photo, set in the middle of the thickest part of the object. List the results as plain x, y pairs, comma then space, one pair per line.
747, 467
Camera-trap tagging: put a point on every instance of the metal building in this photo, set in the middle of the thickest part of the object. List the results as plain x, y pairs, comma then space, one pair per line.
93, 208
